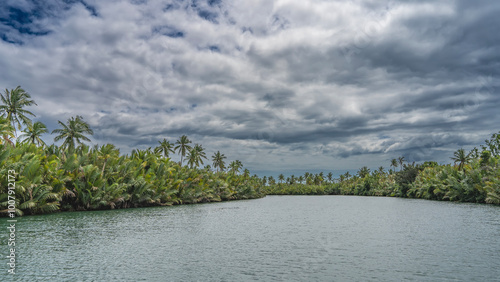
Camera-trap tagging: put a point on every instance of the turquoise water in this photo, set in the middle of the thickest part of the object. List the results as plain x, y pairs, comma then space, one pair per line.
277, 238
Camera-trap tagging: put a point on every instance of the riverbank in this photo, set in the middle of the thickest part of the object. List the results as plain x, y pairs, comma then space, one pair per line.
52, 179
476, 183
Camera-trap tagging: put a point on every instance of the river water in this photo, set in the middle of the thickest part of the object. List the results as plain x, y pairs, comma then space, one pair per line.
276, 238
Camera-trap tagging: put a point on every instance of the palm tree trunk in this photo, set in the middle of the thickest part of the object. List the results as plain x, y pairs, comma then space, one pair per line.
103, 166
15, 130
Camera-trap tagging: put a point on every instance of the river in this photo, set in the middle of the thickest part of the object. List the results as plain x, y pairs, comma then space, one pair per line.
276, 238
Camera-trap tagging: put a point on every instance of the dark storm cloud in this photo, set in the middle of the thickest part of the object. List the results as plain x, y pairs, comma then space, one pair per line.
274, 83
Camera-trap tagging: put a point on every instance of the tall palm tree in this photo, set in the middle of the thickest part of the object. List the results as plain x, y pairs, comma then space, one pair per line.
401, 161
271, 180
165, 148
201, 153
363, 172
182, 146
381, 170
306, 175
13, 103
32, 133
347, 175
73, 132
394, 163
6, 131
281, 177
341, 178
318, 178
218, 161
462, 158
300, 179
196, 156
330, 177
235, 166
105, 152
193, 158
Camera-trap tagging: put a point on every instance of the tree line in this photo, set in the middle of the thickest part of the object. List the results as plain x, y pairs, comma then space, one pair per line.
76, 176
473, 177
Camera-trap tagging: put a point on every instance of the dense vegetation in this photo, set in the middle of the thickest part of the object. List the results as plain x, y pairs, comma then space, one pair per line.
75, 176
474, 177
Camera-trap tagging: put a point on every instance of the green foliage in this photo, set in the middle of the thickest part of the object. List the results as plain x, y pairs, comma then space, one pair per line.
73, 132
13, 103
52, 179
32, 133
218, 161
475, 178
183, 146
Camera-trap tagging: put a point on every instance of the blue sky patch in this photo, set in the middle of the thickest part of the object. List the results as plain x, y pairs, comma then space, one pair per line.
207, 15
167, 31
214, 48
214, 2
92, 10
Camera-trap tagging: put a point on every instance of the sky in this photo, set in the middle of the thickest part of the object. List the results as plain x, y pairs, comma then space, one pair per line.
284, 86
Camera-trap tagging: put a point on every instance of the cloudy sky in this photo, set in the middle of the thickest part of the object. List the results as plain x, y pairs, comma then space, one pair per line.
283, 85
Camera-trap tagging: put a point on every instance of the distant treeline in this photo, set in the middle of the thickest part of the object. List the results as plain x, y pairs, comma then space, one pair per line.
474, 177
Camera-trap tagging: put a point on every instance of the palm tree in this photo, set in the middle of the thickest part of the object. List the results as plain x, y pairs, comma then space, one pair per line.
105, 152
165, 148
141, 155
300, 179
363, 172
381, 170
347, 175
6, 131
235, 166
33, 132
218, 161
196, 156
201, 153
341, 178
330, 177
72, 132
394, 163
271, 180
13, 103
192, 157
182, 146
401, 161
462, 158
281, 177
318, 178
